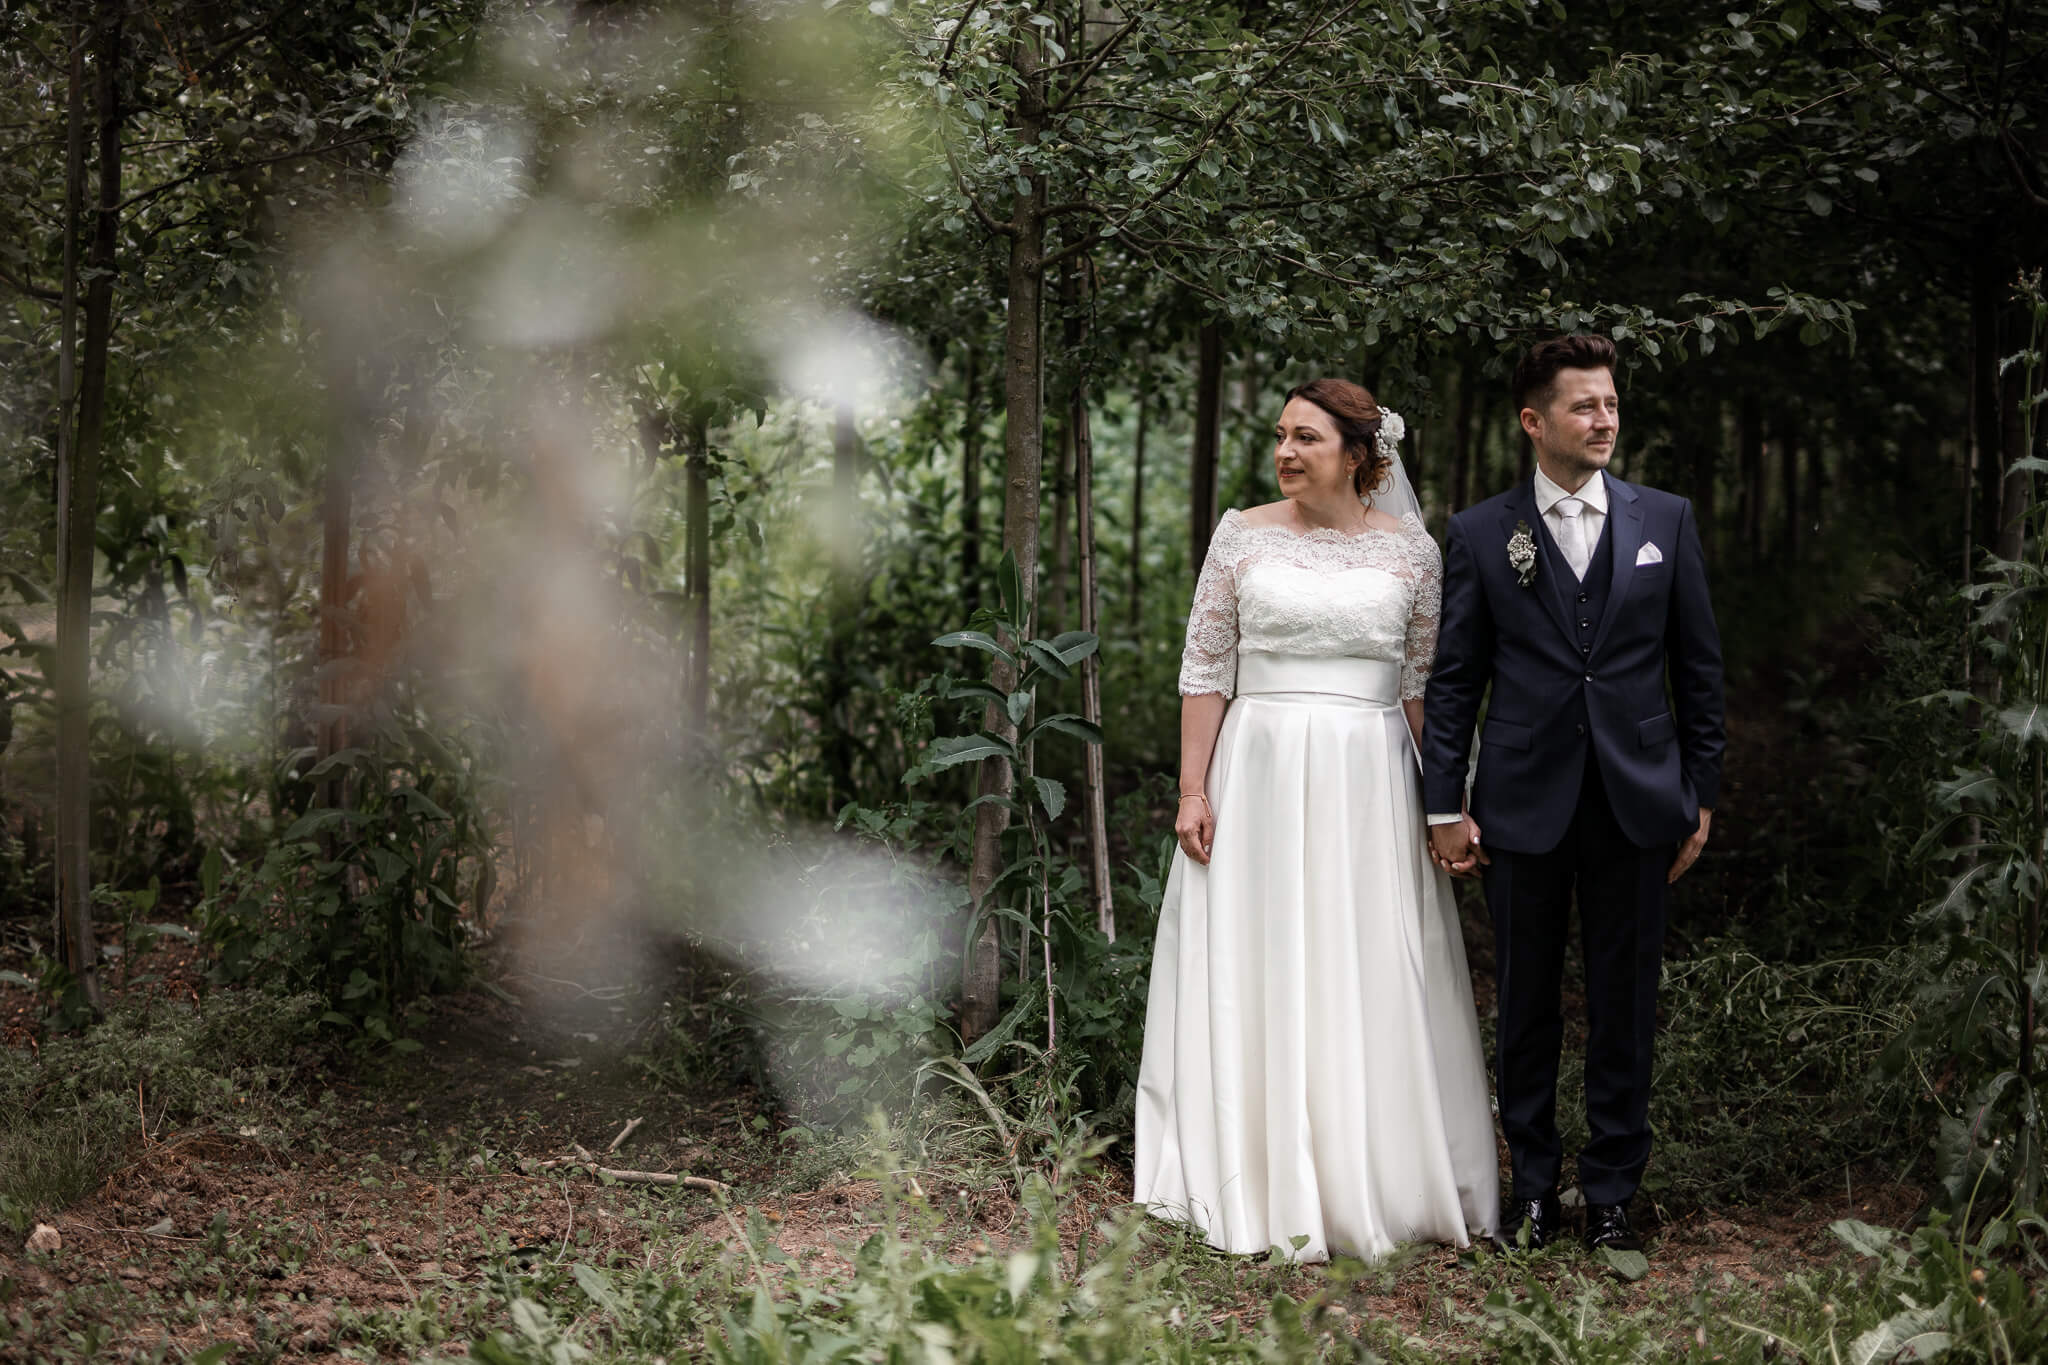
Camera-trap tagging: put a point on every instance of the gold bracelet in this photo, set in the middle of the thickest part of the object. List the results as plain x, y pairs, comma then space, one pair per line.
1196, 795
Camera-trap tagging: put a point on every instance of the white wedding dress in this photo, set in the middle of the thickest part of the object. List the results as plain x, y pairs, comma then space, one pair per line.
1312, 1065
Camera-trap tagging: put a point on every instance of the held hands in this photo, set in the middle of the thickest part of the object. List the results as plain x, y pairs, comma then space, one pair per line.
1689, 851
1456, 849
1194, 824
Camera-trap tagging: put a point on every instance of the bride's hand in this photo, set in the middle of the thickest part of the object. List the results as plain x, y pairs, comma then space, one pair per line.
1195, 826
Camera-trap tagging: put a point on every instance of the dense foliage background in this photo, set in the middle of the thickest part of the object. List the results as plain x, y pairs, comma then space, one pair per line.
492, 472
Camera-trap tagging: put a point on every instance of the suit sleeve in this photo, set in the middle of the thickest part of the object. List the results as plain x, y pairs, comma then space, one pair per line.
1694, 645
1464, 657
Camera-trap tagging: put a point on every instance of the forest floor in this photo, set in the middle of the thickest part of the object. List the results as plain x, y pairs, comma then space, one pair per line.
377, 1214
395, 1208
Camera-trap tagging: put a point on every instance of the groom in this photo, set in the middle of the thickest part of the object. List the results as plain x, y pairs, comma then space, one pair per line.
1581, 601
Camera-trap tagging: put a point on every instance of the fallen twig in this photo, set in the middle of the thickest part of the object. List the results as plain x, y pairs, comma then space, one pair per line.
588, 1163
131, 1232
624, 1133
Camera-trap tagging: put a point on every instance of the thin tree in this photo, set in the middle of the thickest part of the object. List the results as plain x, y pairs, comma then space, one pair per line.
697, 580
1141, 400
970, 477
1091, 615
1788, 479
1208, 437
1460, 490
78, 498
1023, 460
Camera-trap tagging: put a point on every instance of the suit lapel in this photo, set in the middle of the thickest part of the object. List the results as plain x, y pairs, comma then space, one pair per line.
1625, 525
1548, 565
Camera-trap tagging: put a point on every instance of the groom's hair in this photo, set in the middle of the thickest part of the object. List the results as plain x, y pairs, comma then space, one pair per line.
1535, 381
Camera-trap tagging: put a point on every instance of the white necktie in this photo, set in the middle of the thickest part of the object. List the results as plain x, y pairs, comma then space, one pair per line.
1572, 535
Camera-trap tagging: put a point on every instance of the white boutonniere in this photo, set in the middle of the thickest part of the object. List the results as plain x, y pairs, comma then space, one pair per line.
1522, 554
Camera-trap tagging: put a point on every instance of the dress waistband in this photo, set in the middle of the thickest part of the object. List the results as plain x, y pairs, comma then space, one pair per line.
1369, 680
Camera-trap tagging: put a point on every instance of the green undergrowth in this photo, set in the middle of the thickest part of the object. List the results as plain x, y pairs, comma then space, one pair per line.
1134, 1290
71, 1110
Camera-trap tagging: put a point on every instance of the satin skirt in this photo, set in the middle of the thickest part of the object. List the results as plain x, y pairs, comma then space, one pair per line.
1312, 1067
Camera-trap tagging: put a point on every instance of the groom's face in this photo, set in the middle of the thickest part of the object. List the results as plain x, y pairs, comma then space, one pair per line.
1574, 433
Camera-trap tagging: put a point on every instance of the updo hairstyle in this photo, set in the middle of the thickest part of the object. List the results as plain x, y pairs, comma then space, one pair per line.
1357, 416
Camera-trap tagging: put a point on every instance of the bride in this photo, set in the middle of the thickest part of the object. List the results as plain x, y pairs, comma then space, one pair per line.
1312, 1077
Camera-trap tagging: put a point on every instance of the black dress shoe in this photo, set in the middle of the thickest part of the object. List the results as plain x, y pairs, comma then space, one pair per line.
1543, 1219
1607, 1226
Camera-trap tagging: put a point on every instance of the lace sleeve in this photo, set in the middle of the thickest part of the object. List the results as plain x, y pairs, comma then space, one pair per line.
1419, 654
1209, 663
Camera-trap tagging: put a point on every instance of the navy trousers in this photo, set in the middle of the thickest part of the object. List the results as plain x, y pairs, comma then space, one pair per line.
1620, 890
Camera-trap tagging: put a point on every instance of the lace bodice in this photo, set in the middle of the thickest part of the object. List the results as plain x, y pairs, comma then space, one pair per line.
1270, 590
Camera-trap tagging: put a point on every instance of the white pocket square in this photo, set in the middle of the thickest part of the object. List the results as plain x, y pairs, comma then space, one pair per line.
1649, 554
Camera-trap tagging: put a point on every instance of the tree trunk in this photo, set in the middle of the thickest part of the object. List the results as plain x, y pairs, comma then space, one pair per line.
1750, 436
697, 583
1251, 482
1135, 607
970, 483
1987, 440
845, 615
1788, 482
2016, 484
1023, 459
78, 499
1208, 435
1816, 484
845, 473
1055, 617
1091, 620
331, 733
1460, 490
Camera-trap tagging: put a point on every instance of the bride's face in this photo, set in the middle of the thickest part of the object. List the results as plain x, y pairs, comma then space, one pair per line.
1308, 454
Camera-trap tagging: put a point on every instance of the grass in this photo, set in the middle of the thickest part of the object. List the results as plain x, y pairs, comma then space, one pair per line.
72, 1110
406, 1217
642, 1276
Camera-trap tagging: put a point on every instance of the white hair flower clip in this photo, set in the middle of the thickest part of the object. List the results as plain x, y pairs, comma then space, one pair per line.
1392, 429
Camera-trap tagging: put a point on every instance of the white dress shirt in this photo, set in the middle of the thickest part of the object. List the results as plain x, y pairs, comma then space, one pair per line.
1592, 498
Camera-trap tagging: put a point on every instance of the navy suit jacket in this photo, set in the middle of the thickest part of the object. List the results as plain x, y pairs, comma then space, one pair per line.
1647, 699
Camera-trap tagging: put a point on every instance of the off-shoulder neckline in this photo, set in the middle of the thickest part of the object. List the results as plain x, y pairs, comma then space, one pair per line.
1410, 524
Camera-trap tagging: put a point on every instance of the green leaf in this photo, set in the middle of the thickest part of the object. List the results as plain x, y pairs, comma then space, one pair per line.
313, 822
340, 758
2025, 723
1075, 645
954, 689
1053, 795
946, 753
1887, 1341
210, 871
30, 590
1068, 724
598, 1287
1010, 588
974, 639
1028, 1004
1018, 705
1865, 1239
1039, 653
1629, 1265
